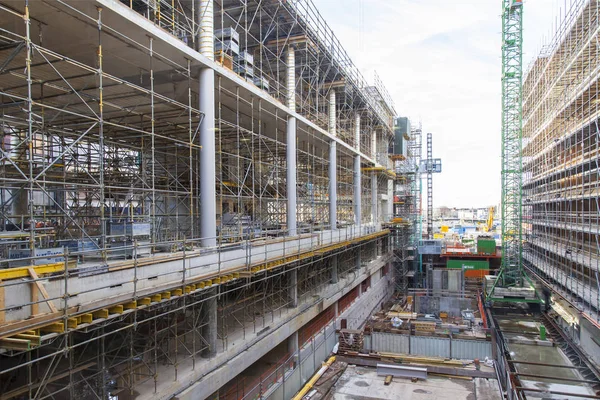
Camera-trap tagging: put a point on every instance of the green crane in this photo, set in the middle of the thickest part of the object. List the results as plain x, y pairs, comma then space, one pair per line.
511, 272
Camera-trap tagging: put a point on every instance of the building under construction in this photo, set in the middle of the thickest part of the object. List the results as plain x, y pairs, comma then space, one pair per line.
561, 154
189, 190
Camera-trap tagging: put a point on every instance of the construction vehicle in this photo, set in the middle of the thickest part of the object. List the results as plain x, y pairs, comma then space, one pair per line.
490, 219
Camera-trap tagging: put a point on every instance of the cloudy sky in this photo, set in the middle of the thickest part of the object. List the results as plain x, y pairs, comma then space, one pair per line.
441, 62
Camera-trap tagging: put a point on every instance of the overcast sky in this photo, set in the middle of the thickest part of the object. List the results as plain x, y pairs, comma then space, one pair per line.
441, 61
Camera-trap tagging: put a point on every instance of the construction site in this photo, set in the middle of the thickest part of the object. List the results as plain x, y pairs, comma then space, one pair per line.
207, 199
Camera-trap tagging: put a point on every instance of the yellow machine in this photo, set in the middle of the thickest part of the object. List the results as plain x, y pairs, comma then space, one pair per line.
490, 219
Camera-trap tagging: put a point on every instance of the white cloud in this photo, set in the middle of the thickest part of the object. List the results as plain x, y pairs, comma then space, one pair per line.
441, 61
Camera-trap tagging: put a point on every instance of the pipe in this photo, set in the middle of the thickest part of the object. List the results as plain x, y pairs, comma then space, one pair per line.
291, 79
206, 41
309, 385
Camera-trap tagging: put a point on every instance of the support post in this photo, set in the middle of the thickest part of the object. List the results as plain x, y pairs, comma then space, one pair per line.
208, 193
374, 145
357, 177
209, 330
333, 185
205, 39
291, 176
291, 79
292, 343
374, 216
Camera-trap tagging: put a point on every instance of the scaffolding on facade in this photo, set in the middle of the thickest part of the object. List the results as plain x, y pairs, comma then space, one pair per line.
100, 169
561, 153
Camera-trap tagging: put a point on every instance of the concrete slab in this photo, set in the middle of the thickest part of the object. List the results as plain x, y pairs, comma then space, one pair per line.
363, 383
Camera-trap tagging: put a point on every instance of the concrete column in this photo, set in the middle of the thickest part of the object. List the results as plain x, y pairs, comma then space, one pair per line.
291, 79
209, 330
333, 185
374, 145
291, 176
357, 176
205, 20
293, 288
357, 132
292, 343
334, 269
357, 192
390, 203
208, 194
374, 215
332, 113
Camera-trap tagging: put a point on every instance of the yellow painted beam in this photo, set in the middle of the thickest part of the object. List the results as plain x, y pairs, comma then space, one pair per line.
15, 344
72, 323
144, 301
23, 272
100, 313
118, 309
176, 292
56, 327
33, 339
86, 318
156, 298
132, 305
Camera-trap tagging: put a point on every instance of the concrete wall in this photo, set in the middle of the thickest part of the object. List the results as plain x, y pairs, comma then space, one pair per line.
589, 337
435, 304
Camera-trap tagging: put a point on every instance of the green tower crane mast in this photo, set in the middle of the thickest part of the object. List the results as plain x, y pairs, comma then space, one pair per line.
511, 270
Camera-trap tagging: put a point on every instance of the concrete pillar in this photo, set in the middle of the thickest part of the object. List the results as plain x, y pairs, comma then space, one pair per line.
209, 330
334, 269
333, 185
208, 194
291, 176
374, 145
293, 288
357, 132
374, 215
291, 79
205, 20
357, 177
292, 343
332, 113
357, 192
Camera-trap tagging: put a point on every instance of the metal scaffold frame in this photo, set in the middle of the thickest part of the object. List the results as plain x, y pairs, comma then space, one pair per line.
561, 160
101, 162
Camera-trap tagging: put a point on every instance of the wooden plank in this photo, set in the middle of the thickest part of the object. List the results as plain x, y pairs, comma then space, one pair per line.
42, 289
33, 339
15, 344
35, 306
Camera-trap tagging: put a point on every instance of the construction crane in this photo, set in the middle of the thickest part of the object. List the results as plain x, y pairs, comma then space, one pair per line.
490, 219
511, 272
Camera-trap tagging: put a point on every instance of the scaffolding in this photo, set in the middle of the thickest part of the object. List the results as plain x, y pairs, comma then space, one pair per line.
108, 288
560, 185
405, 224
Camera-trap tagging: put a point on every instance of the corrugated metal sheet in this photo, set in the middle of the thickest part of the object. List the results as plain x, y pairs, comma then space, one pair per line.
389, 342
471, 349
430, 346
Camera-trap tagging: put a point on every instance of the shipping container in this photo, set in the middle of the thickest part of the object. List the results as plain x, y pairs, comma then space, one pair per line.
468, 264
486, 246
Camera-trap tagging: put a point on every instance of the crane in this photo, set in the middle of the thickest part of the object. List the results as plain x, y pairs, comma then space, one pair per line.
490, 219
511, 273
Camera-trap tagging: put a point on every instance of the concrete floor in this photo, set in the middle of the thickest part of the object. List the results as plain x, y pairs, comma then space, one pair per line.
359, 383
